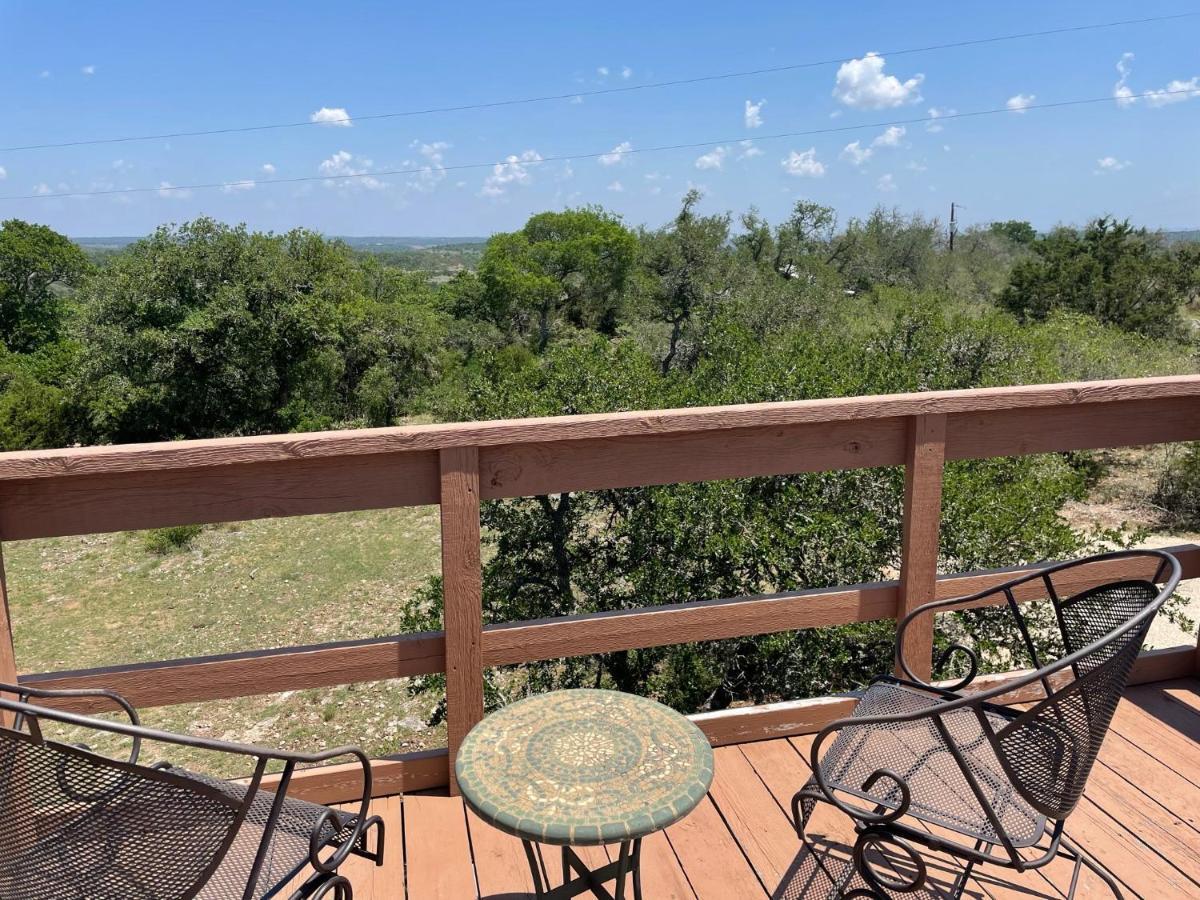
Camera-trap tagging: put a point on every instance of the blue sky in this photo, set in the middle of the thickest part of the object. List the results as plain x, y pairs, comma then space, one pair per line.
72, 71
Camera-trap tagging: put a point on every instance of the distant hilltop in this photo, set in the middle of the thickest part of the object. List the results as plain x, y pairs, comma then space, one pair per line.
369, 242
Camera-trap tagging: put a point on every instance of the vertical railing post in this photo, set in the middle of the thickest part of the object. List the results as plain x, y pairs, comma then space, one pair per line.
924, 464
8, 653
462, 592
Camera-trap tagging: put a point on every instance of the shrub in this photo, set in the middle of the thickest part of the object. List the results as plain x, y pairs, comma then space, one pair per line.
162, 541
1178, 489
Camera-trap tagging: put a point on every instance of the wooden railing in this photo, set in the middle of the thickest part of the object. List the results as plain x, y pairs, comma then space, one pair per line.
96, 489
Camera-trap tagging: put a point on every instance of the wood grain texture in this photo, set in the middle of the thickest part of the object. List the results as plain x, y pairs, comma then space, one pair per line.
1124, 423
683, 622
519, 470
924, 462
122, 501
254, 672
342, 782
462, 591
219, 452
437, 849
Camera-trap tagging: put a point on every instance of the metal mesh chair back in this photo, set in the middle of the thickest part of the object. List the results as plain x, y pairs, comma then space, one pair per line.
77, 824
1049, 749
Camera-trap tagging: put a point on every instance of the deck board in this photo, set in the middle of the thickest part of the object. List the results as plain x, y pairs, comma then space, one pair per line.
1140, 816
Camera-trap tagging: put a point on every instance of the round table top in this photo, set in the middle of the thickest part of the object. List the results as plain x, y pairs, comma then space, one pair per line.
584, 767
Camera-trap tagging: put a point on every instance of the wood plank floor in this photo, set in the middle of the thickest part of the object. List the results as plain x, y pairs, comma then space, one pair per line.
1140, 816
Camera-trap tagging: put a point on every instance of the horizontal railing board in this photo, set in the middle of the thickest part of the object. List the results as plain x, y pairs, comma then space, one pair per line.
342, 782
125, 501
375, 659
428, 770
250, 673
216, 452
521, 470
1020, 432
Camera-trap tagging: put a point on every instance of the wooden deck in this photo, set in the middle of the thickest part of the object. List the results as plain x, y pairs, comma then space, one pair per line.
1140, 816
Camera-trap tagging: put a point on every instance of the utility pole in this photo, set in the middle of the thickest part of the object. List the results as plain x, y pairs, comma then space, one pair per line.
953, 224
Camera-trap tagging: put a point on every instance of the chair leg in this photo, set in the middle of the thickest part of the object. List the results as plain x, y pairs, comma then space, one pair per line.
1083, 859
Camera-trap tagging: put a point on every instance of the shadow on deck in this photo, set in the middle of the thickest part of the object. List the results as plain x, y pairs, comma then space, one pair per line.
1140, 816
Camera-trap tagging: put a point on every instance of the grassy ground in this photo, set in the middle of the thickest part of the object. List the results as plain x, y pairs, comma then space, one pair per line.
105, 599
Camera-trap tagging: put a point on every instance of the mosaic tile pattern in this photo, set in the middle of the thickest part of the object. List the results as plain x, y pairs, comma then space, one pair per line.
584, 767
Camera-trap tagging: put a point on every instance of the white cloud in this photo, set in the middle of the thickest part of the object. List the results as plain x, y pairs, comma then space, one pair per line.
616, 155
3, 173
334, 116
856, 154
1176, 91
346, 170
886, 183
713, 158
170, 192
891, 137
42, 189
88, 71
1111, 164
1121, 89
938, 113
268, 169
617, 187
626, 73
803, 164
602, 71
914, 166
434, 171
862, 84
1020, 102
749, 151
233, 187
576, 100
45, 73
514, 170
753, 113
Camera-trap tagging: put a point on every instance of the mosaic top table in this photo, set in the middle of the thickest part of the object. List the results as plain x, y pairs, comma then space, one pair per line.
584, 767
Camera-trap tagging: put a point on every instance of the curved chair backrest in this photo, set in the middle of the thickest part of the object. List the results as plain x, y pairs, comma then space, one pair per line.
1049, 749
102, 827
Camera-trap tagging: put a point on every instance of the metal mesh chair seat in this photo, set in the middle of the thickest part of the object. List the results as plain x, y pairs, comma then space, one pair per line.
81, 828
289, 842
918, 753
79, 825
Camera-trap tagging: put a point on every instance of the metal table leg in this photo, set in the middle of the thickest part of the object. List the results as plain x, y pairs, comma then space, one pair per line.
579, 879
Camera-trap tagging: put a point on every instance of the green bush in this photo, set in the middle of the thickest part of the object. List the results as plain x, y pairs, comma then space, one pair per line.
162, 541
1178, 490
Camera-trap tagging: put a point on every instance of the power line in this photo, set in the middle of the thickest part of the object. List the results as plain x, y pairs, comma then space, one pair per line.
623, 89
573, 157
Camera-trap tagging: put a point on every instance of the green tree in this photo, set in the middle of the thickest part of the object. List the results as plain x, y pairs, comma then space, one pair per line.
1018, 232
571, 265
1110, 270
35, 263
684, 268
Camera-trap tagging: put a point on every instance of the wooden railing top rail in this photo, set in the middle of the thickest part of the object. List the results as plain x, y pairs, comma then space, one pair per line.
174, 455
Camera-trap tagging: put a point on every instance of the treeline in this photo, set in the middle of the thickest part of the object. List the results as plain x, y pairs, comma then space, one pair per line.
204, 329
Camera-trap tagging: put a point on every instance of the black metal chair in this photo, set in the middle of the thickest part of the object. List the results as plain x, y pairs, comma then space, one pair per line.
76, 824
923, 764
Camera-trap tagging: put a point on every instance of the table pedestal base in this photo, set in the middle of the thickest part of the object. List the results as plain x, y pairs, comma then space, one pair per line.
578, 878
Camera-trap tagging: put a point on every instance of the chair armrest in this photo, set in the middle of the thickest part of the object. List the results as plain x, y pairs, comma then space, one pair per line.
931, 609
24, 692
335, 819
